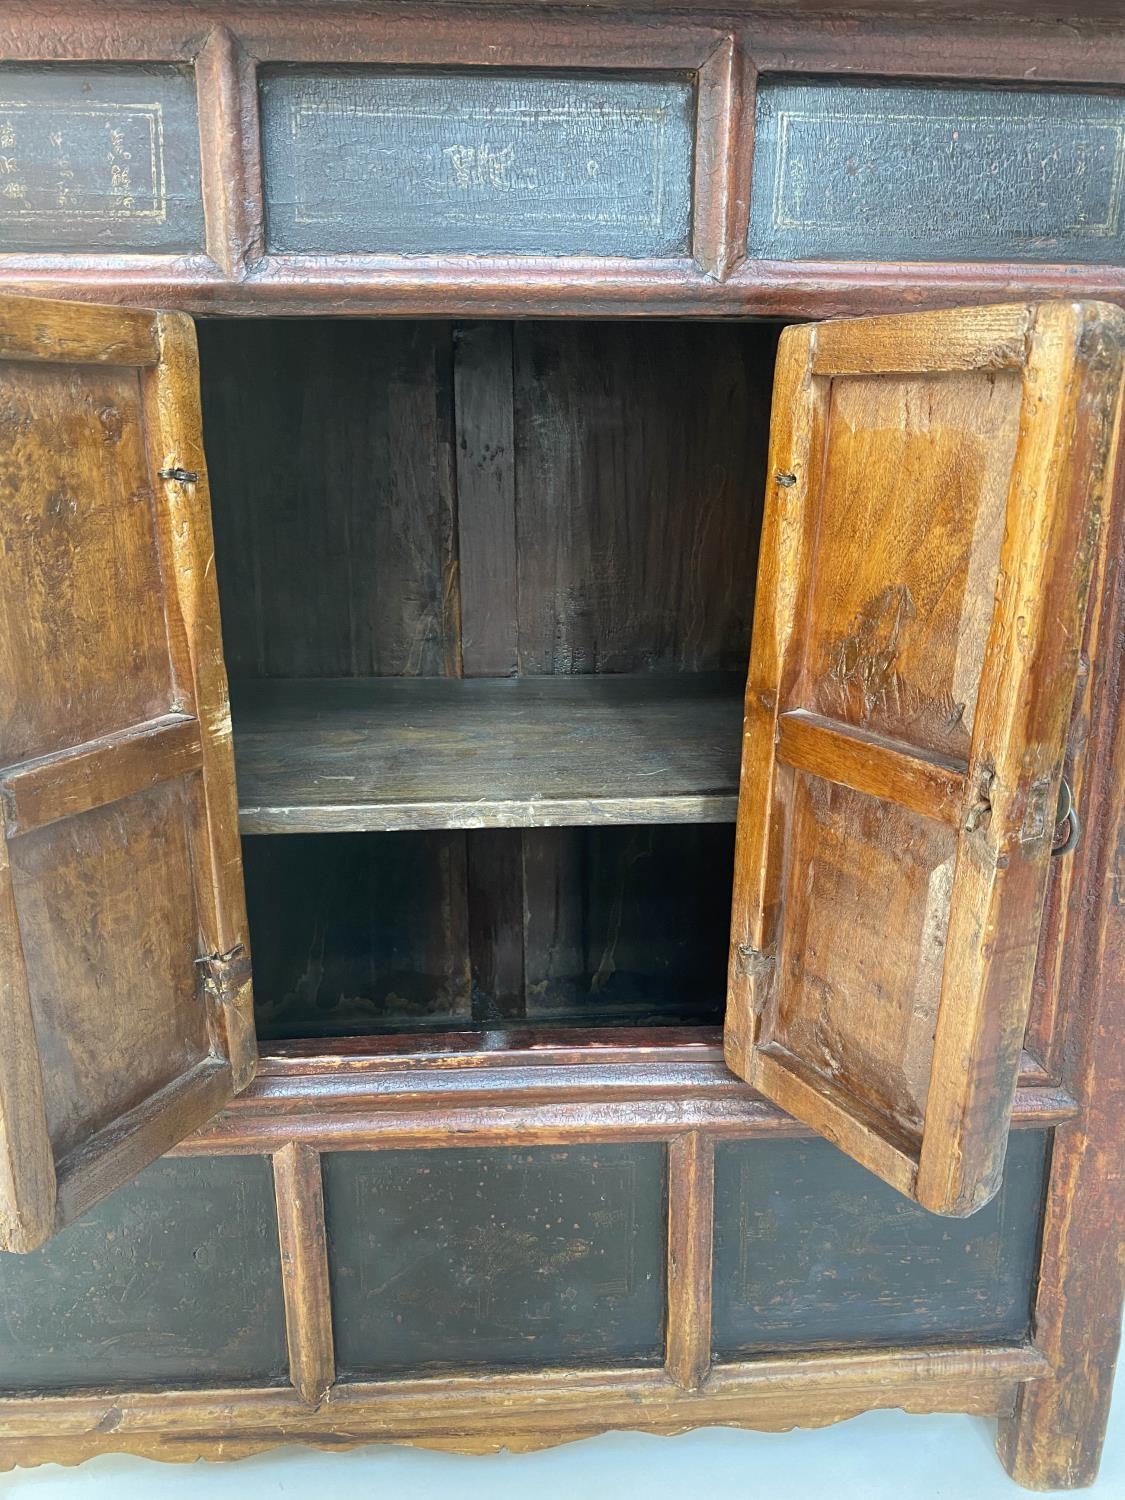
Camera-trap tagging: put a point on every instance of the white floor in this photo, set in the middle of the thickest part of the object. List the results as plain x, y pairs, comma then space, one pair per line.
881, 1456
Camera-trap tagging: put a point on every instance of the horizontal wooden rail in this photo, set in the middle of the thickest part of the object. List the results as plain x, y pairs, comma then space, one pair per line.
343, 1097
486, 1412
930, 784
101, 771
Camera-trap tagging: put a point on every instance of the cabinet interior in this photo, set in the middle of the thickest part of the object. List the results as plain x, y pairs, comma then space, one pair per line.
487, 593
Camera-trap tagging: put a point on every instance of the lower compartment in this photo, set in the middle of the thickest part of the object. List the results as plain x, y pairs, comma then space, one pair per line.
355, 934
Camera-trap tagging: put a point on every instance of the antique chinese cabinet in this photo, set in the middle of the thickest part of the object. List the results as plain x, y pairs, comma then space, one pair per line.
562, 754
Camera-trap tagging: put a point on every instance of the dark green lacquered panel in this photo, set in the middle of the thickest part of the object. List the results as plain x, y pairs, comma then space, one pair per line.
811, 1249
176, 1277
355, 933
468, 1258
99, 158
857, 170
477, 163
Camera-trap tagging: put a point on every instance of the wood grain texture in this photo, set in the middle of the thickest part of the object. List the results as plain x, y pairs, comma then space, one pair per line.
330, 450
691, 1191
854, 170
636, 495
529, 1085
226, 87
1057, 1440
625, 924
174, 431
913, 614
933, 785
100, 771
85, 938
354, 934
1057, 1433
396, 753
486, 499
487, 1412
304, 1270
476, 163
120, 865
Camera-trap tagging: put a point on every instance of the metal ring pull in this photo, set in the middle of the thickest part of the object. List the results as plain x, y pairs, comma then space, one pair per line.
1066, 814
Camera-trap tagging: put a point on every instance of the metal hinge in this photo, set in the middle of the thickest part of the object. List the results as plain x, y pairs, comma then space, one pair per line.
224, 974
181, 476
980, 812
1068, 825
758, 967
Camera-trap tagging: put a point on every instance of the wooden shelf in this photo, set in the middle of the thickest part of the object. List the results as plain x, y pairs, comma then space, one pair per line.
529, 752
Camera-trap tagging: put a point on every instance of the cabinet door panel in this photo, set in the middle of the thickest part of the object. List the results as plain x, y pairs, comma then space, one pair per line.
125, 977
935, 489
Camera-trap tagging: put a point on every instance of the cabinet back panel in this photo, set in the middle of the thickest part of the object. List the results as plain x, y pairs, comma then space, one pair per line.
811, 1249
358, 932
329, 460
639, 477
491, 1258
602, 515
176, 1277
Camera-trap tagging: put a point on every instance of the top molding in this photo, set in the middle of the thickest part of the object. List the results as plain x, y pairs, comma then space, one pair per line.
625, 194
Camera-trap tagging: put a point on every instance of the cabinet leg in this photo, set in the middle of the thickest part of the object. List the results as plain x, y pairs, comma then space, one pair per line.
1053, 1439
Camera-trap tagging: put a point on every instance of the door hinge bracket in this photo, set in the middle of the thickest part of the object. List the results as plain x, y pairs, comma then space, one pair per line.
758, 967
224, 974
181, 476
980, 810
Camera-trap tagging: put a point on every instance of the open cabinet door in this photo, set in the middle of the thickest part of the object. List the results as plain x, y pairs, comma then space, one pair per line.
125, 1001
935, 488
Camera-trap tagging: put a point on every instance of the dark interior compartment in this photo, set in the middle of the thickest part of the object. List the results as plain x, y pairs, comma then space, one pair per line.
427, 500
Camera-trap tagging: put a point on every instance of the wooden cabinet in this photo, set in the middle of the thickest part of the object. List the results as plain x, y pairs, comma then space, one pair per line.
588, 722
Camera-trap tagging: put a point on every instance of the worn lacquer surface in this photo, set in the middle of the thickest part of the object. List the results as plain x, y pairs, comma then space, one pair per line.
476, 163
99, 158
544, 1256
812, 1250
174, 1278
854, 170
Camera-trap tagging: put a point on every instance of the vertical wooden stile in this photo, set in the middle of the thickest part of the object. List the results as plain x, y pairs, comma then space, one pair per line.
304, 1268
227, 97
691, 1195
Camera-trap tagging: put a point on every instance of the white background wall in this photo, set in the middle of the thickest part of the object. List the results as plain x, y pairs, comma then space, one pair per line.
880, 1456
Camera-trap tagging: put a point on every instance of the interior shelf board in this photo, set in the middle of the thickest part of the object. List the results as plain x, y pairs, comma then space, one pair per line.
379, 754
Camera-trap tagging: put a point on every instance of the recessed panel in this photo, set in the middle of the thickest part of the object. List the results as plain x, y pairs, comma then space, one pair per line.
812, 1250
863, 945
466, 1259
902, 595
854, 170
83, 640
99, 159
175, 1277
108, 924
477, 163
